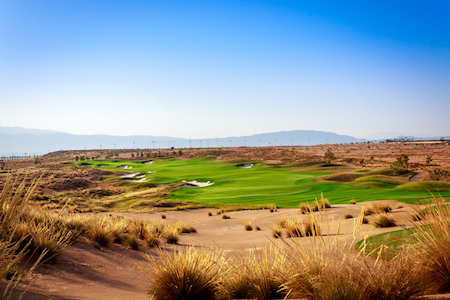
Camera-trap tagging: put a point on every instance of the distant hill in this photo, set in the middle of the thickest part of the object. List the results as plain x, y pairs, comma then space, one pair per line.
18, 141
20, 130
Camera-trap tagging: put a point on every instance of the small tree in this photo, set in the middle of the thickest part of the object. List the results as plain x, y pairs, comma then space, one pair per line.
429, 160
77, 158
329, 156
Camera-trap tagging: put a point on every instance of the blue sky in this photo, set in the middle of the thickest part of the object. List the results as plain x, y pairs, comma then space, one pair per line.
200, 69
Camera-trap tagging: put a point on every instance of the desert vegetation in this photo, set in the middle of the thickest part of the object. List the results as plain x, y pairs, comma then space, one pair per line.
322, 268
86, 200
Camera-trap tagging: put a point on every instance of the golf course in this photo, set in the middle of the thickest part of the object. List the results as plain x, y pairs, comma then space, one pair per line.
264, 183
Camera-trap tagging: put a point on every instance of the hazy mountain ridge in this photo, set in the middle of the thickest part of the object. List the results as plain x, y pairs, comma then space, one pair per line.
18, 141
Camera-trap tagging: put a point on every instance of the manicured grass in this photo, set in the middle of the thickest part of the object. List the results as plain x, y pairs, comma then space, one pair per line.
392, 240
285, 186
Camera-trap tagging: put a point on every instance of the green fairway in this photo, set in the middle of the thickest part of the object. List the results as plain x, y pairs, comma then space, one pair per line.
285, 186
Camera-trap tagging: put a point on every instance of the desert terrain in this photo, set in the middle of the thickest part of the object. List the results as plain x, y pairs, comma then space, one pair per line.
84, 270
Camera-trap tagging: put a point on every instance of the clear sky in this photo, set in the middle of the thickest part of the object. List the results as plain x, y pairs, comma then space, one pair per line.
199, 69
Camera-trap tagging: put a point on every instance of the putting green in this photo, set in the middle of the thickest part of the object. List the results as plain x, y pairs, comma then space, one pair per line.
285, 186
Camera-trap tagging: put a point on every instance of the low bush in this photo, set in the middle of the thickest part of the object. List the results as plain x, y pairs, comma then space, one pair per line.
384, 220
248, 225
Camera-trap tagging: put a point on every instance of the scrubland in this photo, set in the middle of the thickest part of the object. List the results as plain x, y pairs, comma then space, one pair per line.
64, 226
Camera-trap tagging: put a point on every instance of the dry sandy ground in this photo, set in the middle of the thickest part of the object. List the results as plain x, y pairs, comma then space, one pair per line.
83, 272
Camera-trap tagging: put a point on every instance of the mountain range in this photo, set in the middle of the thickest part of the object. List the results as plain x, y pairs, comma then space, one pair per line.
23, 141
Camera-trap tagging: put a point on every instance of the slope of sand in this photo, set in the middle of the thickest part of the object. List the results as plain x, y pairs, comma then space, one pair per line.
83, 272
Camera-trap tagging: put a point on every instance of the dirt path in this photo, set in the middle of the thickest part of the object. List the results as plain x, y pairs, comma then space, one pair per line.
418, 176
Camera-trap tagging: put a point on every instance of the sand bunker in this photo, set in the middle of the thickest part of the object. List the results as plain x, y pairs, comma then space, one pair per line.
137, 180
196, 184
102, 165
148, 162
129, 175
150, 172
245, 166
124, 167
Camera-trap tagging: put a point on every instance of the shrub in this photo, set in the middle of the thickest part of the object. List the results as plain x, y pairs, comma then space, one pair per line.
311, 227
381, 207
277, 231
272, 208
137, 227
163, 216
366, 210
352, 202
210, 213
304, 208
248, 225
256, 276
225, 217
293, 228
133, 242
189, 274
348, 216
384, 220
282, 221
171, 235
97, 232
151, 240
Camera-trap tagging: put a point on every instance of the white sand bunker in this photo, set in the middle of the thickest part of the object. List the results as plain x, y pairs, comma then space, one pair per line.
148, 162
150, 172
102, 165
124, 167
245, 166
137, 180
196, 184
129, 175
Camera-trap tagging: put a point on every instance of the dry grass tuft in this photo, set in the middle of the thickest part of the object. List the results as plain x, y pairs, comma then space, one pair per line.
256, 276
97, 231
381, 207
277, 231
226, 217
366, 210
151, 240
133, 242
432, 247
384, 220
348, 216
248, 225
171, 235
294, 228
189, 274
273, 208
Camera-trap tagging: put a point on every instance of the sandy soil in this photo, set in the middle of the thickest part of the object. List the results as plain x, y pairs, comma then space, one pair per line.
84, 272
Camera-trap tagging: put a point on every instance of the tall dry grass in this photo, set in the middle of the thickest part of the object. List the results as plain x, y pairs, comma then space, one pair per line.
191, 274
432, 245
15, 242
255, 276
324, 266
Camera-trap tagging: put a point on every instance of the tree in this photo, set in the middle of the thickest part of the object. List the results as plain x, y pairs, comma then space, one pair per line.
77, 158
329, 156
429, 160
